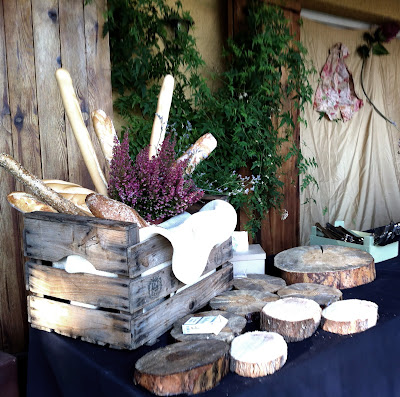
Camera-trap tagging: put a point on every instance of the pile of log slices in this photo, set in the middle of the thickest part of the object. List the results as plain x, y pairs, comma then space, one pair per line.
279, 313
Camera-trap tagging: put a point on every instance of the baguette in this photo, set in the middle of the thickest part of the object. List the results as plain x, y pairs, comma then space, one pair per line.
107, 208
38, 188
161, 117
73, 111
199, 151
72, 192
25, 202
105, 131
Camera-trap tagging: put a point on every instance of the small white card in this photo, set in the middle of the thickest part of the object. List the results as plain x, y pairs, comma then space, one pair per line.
204, 325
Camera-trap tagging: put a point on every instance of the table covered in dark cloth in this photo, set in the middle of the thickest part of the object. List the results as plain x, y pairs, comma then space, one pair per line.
324, 365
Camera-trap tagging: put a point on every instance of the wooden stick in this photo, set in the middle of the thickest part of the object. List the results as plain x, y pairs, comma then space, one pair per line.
38, 188
162, 114
73, 111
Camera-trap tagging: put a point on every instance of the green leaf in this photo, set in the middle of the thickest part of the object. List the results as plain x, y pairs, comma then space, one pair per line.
379, 49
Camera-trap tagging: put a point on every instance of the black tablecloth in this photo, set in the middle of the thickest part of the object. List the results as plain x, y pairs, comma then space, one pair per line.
365, 364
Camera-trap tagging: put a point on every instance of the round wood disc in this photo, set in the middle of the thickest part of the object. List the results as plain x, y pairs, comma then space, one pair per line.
259, 282
324, 295
258, 353
243, 302
185, 367
293, 318
333, 265
233, 328
349, 316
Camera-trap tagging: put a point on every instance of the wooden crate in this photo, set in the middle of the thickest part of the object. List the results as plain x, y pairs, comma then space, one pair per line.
132, 309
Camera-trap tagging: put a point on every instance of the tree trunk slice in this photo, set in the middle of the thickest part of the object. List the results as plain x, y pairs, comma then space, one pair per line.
324, 295
259, 282
244, 303
336, 266
293, 318
349, 316
258, 353
185, 367
233, 328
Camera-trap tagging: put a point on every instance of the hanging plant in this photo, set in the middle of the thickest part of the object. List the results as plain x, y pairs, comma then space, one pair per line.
374, 44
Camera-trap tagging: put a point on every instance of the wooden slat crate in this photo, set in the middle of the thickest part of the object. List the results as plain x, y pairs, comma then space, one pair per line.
133, 308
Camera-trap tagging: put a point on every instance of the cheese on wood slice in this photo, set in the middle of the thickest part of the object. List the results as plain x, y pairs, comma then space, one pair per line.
233, 328
324, 295
349, 316
293, 318
245, 303
185, 367
259, 282
333, 265
258, 353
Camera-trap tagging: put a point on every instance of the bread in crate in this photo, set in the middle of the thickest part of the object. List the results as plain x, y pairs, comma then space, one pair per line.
137, 305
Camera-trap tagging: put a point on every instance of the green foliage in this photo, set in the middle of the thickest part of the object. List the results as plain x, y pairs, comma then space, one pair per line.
249, 114
149, 39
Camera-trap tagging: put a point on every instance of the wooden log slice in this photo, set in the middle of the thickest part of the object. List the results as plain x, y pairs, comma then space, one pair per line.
259, 282
185, 367
233, 328
349, 316
242, 302
258, 353
293, 318
324, 295
336, 266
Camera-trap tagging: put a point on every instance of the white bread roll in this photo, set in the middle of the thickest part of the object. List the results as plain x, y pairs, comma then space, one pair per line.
25, 202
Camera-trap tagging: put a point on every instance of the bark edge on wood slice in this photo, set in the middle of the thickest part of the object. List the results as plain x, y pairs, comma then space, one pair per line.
258, 353
185, 367
294, 318
349, 316
243, 302
259, 282
233, 328
324, 295
336, 266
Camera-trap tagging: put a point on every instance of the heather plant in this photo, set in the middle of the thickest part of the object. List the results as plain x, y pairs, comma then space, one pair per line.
157, 188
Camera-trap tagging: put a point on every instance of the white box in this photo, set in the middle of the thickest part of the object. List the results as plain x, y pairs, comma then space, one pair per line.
204, 325
249, 262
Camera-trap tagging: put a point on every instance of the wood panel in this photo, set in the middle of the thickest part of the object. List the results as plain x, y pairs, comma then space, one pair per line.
98, 67
12, 295
51, 113
32, 120
72, 35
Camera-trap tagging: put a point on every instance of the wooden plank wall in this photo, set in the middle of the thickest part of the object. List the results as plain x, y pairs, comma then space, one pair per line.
276, 234
36, 38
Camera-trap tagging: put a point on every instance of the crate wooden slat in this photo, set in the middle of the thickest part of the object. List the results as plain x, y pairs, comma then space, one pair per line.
135, 307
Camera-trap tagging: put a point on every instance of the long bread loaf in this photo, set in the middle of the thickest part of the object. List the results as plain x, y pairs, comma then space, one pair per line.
38, 188
107, 208
25, 202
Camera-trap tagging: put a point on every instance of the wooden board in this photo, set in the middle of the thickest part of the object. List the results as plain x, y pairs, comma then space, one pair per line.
243, 302
293, 318
51, 237
258, 353
336, 266
233, 328
122, 330
46, 30
122, 293
149, 326
259, 282
186, 367
324, 295
349, 316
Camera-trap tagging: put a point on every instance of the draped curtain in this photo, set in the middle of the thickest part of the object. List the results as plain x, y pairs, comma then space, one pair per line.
358, 160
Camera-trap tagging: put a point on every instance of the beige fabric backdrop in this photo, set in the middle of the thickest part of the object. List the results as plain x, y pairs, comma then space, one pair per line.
358, 161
